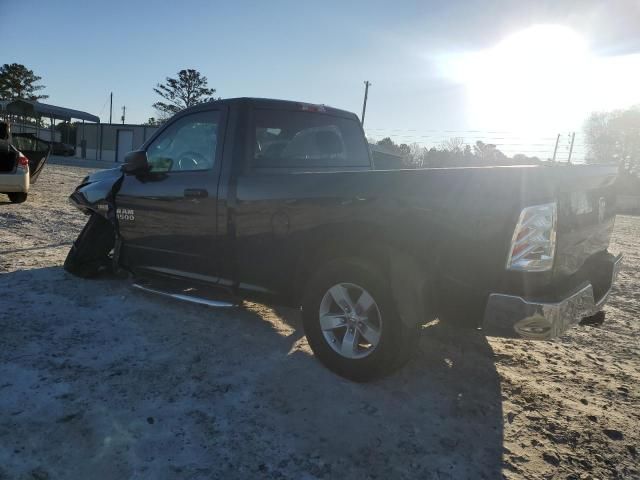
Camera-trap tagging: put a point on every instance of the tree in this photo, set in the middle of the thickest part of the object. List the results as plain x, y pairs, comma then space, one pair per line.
614, 137
453, 152
189, 89
453, 145
17, 81
388, 143
154, 122
68, 132
488, 154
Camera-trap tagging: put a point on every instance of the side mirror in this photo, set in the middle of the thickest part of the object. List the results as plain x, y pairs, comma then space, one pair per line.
135, 162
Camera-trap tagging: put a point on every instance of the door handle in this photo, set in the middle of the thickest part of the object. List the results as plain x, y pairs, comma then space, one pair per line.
195, 193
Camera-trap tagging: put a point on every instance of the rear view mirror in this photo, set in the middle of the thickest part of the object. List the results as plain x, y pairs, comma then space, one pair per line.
135, 162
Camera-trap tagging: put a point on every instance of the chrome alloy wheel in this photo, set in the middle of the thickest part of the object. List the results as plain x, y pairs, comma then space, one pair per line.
350, 320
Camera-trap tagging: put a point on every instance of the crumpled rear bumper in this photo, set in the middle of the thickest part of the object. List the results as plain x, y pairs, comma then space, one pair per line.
514, 316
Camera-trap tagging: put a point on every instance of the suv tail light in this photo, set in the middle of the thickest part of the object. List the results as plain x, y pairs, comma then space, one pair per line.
23, 162
533, 243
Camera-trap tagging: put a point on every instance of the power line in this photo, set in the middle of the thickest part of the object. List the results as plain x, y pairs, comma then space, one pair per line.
103, 105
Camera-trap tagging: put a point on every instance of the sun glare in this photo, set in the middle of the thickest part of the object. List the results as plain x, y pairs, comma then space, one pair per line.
541, 78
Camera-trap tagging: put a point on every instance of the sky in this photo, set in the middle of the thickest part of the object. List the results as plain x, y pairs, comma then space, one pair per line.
516, 73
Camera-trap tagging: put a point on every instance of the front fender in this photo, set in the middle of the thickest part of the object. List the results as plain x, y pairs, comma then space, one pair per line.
97, 191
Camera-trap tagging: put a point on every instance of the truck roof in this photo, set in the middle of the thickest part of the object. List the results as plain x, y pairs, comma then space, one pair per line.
275, 104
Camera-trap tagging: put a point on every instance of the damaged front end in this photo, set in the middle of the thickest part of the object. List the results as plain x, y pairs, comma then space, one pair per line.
97, 191
96, 194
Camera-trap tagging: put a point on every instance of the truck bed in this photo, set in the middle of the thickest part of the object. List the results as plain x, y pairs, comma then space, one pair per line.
459, 220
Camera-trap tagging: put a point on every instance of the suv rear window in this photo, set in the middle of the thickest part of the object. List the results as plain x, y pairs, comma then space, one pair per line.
29, 143
306, 140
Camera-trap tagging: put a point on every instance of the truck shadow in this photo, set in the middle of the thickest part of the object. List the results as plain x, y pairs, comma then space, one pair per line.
440, 416
126, 382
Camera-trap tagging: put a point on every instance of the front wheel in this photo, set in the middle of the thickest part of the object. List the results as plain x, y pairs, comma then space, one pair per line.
17, 197
351, 322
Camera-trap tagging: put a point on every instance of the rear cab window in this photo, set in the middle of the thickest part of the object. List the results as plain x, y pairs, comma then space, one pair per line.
297, 141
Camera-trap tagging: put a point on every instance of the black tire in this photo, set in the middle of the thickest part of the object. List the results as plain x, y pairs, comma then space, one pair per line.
397, 340
89, 254
17, 197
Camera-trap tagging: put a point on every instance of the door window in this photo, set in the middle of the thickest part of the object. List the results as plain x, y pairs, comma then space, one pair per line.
301, 140
188, 144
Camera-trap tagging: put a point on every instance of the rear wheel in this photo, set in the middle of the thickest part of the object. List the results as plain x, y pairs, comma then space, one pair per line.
17, 197
89, 254
351, 322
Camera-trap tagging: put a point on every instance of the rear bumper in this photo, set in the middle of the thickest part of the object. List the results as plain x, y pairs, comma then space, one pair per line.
514, 316
14, 182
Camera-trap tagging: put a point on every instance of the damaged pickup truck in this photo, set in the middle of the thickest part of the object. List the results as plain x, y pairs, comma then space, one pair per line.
281, 200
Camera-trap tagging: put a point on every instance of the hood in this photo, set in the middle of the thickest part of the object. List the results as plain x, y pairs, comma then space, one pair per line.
94, 191
102, 175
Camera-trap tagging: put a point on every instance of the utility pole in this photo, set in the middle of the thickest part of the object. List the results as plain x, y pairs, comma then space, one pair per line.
124, 111
367, 84
555, 150
110, 107
573, 137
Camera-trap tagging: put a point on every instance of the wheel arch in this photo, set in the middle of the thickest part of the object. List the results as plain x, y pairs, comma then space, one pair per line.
411, 275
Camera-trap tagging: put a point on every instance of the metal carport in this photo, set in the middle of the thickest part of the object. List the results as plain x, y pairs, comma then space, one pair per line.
32, 109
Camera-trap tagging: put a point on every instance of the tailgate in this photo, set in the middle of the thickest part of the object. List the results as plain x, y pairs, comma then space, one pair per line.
586, 214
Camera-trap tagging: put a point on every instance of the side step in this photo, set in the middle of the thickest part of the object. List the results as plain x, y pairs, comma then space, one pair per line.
186, 295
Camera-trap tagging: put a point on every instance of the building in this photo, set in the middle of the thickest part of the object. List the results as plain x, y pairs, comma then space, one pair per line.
92, 141
110, 142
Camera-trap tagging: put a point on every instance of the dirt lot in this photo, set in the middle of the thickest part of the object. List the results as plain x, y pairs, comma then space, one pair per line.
100, 381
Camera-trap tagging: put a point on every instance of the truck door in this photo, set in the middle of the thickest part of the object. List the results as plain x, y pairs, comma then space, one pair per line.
167, 217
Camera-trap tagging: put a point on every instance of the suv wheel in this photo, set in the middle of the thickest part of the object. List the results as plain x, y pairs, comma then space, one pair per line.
351, 322
17, 197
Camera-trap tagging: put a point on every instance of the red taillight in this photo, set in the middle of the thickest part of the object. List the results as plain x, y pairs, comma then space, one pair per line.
23, 161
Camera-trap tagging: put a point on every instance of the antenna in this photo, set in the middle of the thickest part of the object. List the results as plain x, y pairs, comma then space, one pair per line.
367, 84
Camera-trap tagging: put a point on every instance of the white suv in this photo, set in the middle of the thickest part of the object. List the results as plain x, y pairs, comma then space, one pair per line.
20, 164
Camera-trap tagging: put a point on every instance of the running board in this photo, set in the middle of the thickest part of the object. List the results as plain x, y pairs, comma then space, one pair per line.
185, 298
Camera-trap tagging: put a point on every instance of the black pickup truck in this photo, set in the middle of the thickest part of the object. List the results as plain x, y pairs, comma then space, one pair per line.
267, 198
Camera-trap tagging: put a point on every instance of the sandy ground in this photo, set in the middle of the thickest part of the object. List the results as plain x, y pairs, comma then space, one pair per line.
100, 381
